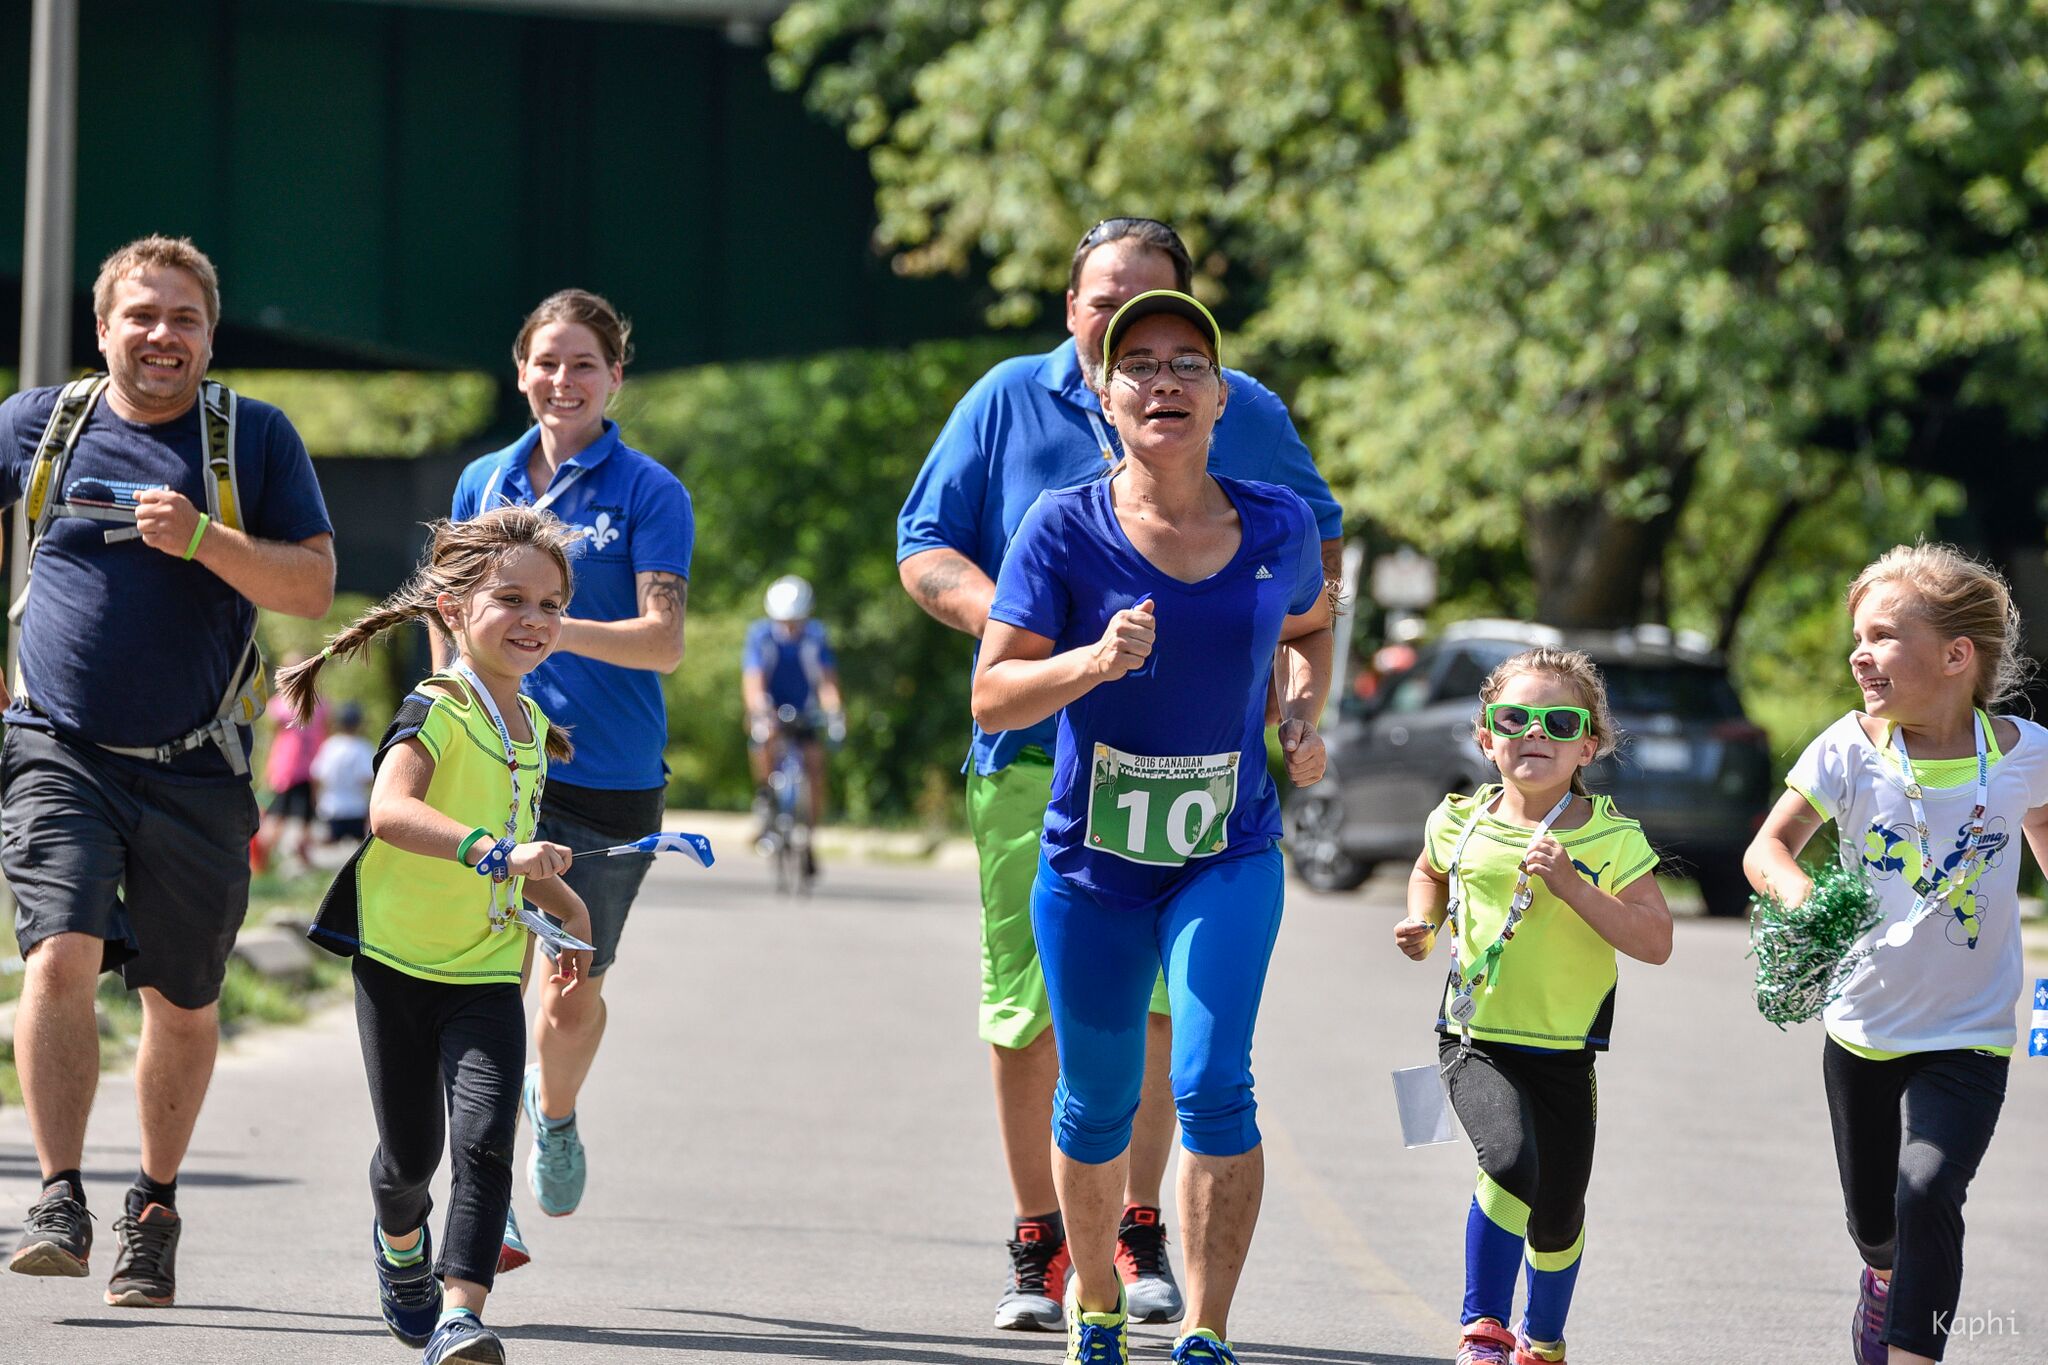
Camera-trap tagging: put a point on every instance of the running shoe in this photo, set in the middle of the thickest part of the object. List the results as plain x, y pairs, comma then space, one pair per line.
1142, 1265
146, 1266
56, 1237
463, 1338
1528, 1353
1866, 1328
512, 1254
1203, 1347
1485, 1342
408, 1295
1096, 1338
555, 1171
1038, 1278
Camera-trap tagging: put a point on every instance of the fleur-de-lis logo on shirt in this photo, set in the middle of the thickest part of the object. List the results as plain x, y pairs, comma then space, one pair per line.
603, 532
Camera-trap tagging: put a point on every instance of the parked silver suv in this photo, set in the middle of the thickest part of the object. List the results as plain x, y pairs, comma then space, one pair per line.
1691, 766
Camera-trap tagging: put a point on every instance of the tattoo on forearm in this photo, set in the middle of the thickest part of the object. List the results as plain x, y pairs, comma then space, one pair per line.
665, 596
940, 579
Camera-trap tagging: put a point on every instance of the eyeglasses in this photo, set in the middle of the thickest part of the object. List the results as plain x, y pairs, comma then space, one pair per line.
1189, 369
1512, 720
1110, 229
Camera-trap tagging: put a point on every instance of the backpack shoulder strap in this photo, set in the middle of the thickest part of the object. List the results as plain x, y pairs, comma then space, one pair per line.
60, 437
217, 405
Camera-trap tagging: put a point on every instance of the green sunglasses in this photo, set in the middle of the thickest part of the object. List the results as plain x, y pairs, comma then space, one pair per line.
1512, 720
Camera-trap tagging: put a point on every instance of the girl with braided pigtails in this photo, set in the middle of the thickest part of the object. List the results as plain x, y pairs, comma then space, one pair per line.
429, 908
1541, 884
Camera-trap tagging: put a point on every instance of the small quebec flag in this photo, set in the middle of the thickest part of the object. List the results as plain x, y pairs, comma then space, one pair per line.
2037, 1037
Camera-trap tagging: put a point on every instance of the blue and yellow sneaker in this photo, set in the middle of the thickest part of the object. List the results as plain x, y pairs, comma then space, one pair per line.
463, 1338
1203, 1347
408, 1295
1097, 1338
556, 1169
512, 1252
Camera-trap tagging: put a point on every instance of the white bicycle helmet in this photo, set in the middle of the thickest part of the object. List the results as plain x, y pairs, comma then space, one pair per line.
789, 599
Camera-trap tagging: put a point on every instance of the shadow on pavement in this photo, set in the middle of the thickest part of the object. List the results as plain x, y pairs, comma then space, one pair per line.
797, 1339
20, 1163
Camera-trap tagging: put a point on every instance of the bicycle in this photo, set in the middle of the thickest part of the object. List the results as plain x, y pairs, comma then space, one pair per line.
786, 842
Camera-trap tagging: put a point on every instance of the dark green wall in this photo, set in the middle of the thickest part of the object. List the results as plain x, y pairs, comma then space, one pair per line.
381, 184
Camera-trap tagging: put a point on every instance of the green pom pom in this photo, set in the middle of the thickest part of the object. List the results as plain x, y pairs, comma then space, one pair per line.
1804, 953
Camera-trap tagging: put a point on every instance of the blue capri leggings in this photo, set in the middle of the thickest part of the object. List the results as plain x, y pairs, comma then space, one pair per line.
1214, 937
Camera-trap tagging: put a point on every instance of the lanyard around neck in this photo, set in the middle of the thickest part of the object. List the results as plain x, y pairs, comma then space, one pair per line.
1930, 893
562, 482
1524, 895
500, 915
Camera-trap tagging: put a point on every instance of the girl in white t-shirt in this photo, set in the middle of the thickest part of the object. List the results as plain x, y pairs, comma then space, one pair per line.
1928, 792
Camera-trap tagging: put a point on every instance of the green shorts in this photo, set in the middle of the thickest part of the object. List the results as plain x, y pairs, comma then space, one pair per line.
1006, 812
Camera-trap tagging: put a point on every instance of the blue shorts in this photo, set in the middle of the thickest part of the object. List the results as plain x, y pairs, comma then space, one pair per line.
607, 885
1214, 938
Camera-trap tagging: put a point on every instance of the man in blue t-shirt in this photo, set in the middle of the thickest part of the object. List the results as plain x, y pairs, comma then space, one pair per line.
787, 662
124, 773
623, 633
1031, 424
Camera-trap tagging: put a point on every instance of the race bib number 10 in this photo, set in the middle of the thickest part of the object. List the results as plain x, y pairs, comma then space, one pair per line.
1161, 811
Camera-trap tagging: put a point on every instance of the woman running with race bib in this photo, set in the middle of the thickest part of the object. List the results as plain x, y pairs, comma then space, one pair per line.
1145, 610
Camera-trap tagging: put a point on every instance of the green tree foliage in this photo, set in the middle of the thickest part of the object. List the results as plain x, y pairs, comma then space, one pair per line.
398, 412
1543, 269
801, 467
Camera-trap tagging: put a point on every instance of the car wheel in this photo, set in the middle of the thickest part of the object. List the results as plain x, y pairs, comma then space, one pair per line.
1314, 824
1723, 888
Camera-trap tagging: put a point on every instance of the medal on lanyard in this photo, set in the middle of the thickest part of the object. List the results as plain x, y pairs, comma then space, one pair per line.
500, 914
1464, 1002
1926, 900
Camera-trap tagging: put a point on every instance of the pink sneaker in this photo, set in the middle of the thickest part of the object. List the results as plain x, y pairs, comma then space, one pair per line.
1485, 1342
1525, 1353
1866, 1328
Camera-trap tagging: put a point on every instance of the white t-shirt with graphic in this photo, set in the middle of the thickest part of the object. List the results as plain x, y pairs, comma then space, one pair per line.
1954, 984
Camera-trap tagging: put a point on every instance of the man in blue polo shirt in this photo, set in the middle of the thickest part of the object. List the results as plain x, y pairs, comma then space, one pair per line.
1028, 425
624, 630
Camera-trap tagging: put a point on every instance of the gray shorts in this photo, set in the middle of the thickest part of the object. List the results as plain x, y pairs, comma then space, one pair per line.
155, 865
607, 885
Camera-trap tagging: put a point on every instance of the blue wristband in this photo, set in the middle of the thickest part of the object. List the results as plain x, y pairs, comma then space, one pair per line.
497, 863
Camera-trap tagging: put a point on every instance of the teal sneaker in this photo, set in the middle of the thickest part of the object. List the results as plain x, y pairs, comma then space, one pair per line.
1097, 1338
512, 1253
1203, 1347
556, 1169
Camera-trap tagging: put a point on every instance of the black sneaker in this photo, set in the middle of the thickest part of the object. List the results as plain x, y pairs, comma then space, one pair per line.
56, 1237
146, 1267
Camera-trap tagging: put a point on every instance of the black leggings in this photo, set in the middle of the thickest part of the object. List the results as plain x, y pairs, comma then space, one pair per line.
1908, 1136
444, 1062
1530, 1116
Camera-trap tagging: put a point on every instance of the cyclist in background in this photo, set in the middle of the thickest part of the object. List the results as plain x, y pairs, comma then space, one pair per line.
787, 662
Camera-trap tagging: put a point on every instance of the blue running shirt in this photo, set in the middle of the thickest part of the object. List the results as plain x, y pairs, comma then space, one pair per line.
790, 665
1143, 760
1030, 424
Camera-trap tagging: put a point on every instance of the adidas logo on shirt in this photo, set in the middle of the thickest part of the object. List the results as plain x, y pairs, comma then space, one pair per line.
1263, 572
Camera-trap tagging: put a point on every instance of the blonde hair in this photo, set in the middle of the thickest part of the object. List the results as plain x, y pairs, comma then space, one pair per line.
1569, 666
145, 253
1958, 596
460, 556
614, 334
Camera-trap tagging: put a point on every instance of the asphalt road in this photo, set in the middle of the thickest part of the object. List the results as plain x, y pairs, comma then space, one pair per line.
794, 1159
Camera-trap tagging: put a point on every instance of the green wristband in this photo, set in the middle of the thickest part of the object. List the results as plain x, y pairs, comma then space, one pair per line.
462, 853
197, 532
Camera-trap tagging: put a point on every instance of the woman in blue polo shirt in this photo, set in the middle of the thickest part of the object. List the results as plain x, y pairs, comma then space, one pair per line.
1144, 610
624, 630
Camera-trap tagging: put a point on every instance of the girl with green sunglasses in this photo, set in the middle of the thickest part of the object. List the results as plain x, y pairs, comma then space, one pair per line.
1541, 884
